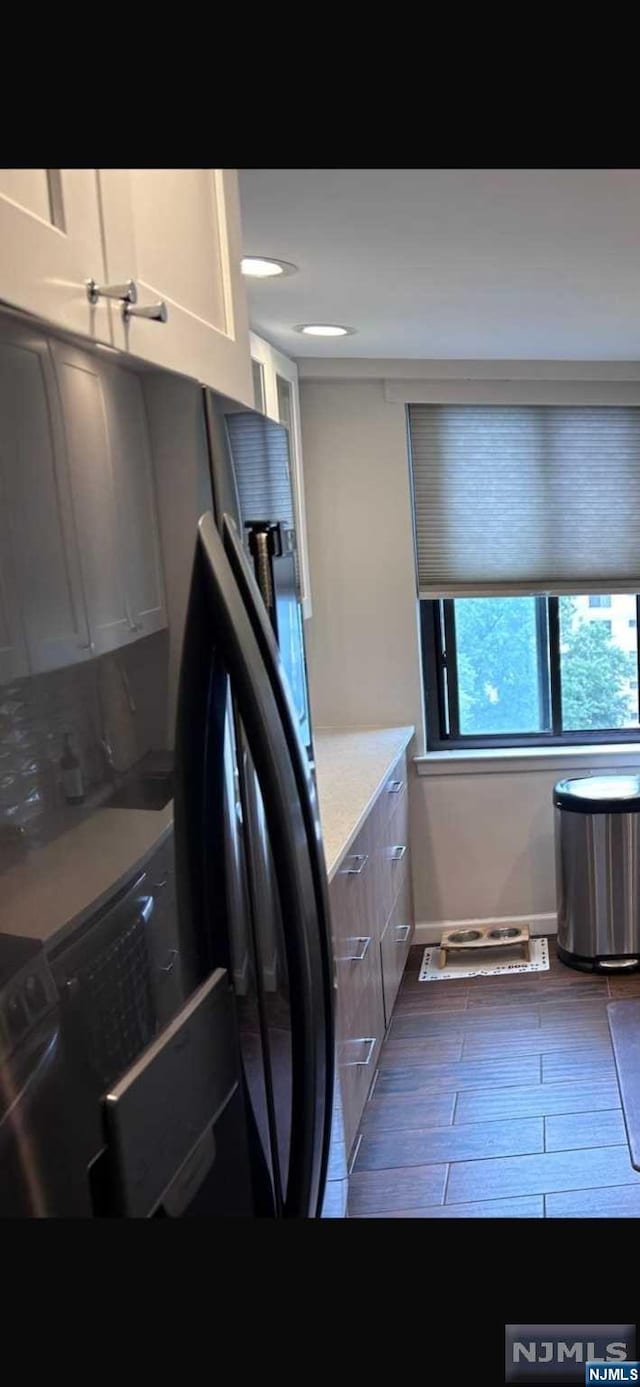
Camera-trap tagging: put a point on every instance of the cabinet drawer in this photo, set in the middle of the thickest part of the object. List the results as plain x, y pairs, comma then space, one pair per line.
395, 788
392, 857
358, 1048
360, 1006
396, 942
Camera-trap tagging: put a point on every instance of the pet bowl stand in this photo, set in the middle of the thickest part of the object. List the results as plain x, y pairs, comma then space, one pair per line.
485, 937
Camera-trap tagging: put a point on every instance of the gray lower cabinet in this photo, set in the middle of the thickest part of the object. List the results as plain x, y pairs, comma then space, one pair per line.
372, 924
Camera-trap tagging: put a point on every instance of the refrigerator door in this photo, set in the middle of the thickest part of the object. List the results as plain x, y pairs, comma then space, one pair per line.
298, 1072
276, 674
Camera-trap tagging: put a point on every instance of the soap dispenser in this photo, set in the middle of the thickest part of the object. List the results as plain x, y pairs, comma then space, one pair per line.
71, 773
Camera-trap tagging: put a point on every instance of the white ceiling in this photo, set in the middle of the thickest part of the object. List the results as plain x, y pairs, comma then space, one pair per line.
439, 263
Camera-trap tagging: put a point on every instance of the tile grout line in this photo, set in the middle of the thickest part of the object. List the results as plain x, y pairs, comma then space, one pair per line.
446, 1182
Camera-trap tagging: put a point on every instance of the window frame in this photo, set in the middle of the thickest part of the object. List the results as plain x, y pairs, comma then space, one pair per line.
439, 671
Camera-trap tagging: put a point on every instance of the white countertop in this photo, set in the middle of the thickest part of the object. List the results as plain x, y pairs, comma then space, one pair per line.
55, 887
351, 768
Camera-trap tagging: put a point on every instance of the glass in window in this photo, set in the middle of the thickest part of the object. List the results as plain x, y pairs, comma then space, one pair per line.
598, 663
502, 665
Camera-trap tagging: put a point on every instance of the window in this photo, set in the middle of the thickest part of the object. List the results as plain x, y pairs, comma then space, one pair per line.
257, 374
511, 670
527, 539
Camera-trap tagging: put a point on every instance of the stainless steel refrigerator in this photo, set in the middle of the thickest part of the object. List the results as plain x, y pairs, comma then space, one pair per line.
166, 980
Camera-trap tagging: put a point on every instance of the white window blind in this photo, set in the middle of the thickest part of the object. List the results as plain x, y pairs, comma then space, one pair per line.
526, 498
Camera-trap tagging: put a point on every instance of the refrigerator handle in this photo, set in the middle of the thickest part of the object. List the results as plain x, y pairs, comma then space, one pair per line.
241, 633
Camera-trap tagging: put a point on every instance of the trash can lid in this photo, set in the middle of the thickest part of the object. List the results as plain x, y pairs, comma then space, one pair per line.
599, 794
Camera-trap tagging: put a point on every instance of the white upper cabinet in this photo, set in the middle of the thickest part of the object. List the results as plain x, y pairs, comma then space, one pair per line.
41, 581
51, 243
138, 529
113, 497
14, 661
276, 393
176, 233
90, 462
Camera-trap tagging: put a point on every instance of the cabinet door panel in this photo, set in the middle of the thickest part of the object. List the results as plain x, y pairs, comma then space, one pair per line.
360, 1009
396, 942
39, 513
138, 531
51, 245
89, 453
14, 661
176, 232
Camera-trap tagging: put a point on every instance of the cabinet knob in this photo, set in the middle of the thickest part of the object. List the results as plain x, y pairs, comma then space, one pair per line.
86, 645
155, 312
358, 953
361, 858
169, 966
370, 1041
127, 292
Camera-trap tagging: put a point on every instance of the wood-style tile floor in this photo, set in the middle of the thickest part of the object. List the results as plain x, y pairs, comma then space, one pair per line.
498, 1098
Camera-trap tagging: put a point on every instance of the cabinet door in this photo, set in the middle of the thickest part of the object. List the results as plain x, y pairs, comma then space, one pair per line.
48, 588
93, 487
137, 529
176, 232
396, 942
14, 661
51, 245
360, 1007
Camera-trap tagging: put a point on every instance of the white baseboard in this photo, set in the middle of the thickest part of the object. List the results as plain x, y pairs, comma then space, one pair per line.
429, 931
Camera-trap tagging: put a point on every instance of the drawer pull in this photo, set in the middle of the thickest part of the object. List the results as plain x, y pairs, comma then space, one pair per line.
356, 857
158, 885
395, 786
170, 964
369, 1040
358, 956
405, 936
398, 852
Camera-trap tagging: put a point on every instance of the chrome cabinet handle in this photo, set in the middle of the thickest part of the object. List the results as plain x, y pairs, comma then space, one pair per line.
407, 932
369, 1040
168, 967
145, 904
155, 312
357, 957
395, 786
361, 857
398, 852
159, 885
127, 292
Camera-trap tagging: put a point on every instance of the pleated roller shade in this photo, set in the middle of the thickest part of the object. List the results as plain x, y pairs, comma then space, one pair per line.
535, 498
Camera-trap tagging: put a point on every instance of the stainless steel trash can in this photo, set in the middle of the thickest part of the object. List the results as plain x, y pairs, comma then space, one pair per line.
598, 871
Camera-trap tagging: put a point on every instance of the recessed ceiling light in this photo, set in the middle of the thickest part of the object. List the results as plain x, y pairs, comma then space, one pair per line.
260, 267
325, 330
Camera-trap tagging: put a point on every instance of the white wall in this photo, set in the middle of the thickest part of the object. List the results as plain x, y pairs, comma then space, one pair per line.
482, 842
362, 640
